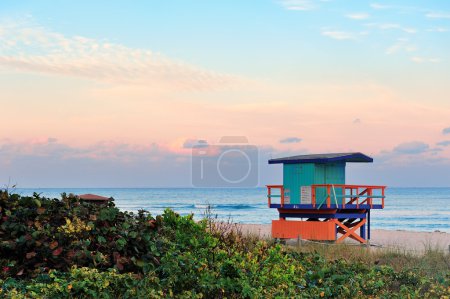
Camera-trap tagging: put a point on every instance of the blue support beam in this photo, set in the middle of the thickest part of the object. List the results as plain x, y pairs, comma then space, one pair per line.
362, 232
326, 216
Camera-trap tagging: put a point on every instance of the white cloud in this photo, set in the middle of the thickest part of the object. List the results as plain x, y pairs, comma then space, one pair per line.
443, 143
379, 6
27, 46
399, 8
388, 26
401, 44
102, 163
342, 35
191, 143
414, 147
52, 148
419, 59
408, 30
438, 15
291, 140
298, 4
339, 35
438, 29
358, 16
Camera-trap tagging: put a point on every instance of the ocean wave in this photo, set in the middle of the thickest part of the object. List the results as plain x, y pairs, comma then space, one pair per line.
226, 206
412, 212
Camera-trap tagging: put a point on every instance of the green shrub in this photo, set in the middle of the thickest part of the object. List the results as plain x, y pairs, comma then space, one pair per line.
39, 234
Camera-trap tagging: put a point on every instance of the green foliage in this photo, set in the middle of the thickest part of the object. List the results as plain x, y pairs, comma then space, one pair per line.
38, 234
70, 249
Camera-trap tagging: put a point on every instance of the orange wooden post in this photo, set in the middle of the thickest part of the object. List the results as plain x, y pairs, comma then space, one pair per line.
369, 196
343, 196
313, 191
357, 197
328, 196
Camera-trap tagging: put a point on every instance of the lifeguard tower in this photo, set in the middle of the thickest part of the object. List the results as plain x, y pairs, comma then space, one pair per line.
315, 192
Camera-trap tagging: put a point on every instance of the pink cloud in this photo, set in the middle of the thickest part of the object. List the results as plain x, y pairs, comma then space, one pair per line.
30, 47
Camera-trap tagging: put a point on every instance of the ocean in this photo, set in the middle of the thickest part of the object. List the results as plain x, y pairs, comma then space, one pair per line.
415, 209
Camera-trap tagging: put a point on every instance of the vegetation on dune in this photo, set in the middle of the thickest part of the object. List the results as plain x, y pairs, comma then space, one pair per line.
70, 249
432, 262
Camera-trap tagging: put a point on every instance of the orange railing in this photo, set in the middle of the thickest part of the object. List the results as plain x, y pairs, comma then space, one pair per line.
349, 194
270, 195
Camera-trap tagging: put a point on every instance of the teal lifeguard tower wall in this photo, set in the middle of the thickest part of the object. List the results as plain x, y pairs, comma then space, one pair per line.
297, 175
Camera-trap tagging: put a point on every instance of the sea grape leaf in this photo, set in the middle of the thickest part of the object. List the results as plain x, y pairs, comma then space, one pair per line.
57, 251
70, 254
30, 255
119, 265
37, 202
121, 243
140, 263
53, 245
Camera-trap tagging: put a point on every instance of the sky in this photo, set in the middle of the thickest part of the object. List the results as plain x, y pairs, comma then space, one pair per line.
117, 93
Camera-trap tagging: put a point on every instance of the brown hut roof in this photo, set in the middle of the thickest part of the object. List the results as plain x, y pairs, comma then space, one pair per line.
93, 197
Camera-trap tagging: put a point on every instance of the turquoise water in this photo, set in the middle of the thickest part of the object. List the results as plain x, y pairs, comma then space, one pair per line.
419, 209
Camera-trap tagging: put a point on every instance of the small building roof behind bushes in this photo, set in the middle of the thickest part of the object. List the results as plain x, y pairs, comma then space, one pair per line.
94, 198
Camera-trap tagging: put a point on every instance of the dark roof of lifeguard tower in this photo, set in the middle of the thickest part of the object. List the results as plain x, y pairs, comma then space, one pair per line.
323, 158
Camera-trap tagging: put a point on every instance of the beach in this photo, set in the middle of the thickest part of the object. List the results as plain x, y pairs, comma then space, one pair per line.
411, 241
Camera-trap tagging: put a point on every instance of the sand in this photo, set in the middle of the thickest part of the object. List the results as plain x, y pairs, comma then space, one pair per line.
397, 239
